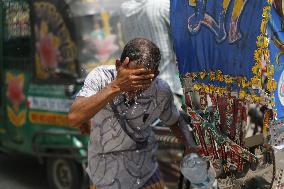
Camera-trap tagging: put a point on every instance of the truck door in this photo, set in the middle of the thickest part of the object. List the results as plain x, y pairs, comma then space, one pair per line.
15, 67
1, 68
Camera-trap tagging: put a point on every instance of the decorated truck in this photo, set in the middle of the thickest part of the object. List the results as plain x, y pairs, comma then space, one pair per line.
46, 49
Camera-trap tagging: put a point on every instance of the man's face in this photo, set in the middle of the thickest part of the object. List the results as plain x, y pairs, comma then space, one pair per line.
135, 65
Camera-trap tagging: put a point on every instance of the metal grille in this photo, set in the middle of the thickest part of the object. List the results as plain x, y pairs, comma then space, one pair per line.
16, 19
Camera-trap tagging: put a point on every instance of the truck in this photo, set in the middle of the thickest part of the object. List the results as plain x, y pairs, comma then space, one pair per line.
47, 47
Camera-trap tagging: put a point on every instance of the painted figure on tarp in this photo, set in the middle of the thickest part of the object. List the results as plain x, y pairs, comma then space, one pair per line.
217, 25
222, 26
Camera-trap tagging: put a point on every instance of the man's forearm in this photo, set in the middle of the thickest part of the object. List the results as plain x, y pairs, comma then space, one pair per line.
181, 131
84, 108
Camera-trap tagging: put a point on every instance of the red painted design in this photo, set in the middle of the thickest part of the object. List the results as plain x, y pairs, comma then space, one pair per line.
48, 51
15, 91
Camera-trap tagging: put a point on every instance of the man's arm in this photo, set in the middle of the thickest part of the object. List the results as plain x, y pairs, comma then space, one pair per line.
178, 123
84, 108
181, 130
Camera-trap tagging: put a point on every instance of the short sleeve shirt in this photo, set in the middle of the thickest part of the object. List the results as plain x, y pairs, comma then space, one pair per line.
113, 158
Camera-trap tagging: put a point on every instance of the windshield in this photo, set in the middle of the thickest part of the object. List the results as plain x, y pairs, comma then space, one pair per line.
99, 37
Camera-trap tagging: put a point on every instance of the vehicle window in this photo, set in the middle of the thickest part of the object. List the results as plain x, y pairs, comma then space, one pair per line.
55, 50
17, 31
99, 36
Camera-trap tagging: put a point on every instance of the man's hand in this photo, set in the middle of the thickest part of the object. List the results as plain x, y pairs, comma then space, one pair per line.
132, 80
128, 80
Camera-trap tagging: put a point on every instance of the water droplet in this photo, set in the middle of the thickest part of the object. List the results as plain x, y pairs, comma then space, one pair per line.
155, 103
138, 181
133, 110
137, 151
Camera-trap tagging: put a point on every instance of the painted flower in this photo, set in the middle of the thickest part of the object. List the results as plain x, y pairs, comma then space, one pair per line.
47, 47
104, 47
15, 89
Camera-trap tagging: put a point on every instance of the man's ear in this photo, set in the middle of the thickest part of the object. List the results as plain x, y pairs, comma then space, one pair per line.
117, 64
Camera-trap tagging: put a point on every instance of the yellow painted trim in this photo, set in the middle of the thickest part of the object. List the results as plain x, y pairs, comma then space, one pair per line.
46, 118
16, 118
192, 3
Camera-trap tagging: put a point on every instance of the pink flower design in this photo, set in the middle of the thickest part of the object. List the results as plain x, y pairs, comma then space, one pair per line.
15, 91
47, 50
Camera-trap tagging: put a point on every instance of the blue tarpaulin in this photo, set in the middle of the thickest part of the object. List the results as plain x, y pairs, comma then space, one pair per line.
216, 35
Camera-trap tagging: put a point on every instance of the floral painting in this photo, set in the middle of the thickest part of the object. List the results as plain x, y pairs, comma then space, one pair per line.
14, 92
15, 95
47, 50
47, 47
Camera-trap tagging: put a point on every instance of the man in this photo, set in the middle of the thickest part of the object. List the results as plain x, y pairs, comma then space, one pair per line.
150, 19
123, 102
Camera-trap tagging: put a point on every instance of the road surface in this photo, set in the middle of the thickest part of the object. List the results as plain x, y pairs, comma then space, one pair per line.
21, 173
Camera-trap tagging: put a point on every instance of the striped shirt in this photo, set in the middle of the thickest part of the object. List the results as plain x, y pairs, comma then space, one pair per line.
114, 162
150, 19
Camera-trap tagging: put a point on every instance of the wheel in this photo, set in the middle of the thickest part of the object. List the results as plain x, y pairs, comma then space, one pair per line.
64, 174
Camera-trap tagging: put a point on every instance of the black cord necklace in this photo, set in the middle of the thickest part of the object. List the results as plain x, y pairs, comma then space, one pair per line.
128, 102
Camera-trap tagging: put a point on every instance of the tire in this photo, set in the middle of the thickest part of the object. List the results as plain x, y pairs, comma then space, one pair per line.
64, 174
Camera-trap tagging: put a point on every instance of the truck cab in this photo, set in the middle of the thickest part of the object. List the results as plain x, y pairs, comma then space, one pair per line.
46, 50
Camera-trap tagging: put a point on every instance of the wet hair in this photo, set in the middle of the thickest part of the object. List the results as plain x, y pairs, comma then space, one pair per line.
143, 51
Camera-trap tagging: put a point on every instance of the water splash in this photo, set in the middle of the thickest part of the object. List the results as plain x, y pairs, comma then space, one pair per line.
138, 181
135, 105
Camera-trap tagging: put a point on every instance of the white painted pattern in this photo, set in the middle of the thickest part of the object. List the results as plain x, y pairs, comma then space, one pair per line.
49, 104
